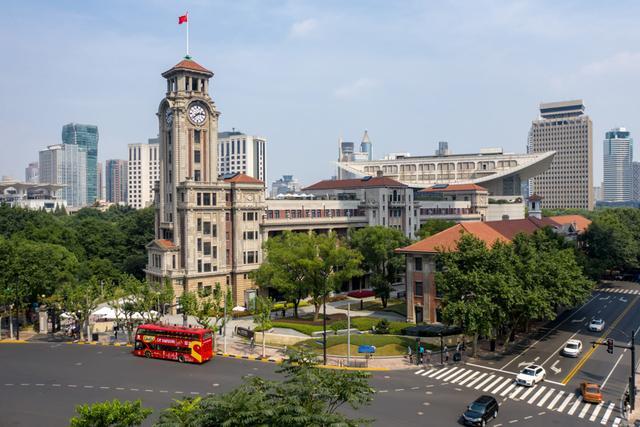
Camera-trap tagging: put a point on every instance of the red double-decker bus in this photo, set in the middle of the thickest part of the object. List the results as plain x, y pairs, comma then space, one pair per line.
193, 345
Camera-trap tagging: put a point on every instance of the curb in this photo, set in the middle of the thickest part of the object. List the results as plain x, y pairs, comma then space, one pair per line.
350, 368
10, 341
247, 357
100, 343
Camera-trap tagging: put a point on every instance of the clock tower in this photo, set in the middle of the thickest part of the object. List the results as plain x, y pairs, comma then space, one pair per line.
200, 217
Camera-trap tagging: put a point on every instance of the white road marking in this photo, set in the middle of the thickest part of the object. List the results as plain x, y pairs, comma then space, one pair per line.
148, 390
555, 400
419, 371
119, 388
492, 384
537, 393
485, 381
25, 384
178, 392
504, 383
459, 377
475, 381
164, 391
613, 369
584, 410
475, 374
546, 397
55, 385
195, 392
555, 369
607, 413
88, 386
565, 403
444, 372
526, 393
399, 389
513, 421
508, 389
448, 377
427, 372
40, 385
72, 385
616, 422
595, 412
575, 406
516, 392
436, 372
105, 388
528, 417
134, 389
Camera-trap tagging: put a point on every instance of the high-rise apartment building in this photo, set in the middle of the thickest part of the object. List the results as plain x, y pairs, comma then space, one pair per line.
238, 152
85, 136
31, 172
285, 185
564, 128
207, 226
618, 166
143, 172
116, 181
66, 165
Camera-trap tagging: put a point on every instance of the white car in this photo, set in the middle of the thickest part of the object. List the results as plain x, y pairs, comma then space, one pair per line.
572, 348
596, 325
531, 375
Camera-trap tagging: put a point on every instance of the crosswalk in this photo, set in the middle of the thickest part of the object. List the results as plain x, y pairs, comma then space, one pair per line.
541, 396
620, 291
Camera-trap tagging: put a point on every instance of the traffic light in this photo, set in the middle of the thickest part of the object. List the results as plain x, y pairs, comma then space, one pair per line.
610, 345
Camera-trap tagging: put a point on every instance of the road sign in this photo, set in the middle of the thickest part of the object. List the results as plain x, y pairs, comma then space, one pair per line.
367, 349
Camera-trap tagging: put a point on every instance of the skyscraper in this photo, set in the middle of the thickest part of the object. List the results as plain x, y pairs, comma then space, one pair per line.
85, 136
285, 185
143, 171
618, 166
67, 165
238, 152
116, 180
31, 172
564, 128
636, 181
100, 181
365, 146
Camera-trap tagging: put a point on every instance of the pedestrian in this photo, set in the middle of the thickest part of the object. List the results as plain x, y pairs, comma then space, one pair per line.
446, 354
115, 331
284, 312
409, 353
428, 359
421, 354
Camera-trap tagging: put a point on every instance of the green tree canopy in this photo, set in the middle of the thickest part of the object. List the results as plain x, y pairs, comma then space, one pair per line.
110, 414
433, 226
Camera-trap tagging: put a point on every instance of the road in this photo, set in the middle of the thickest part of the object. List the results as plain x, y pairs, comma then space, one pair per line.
41, 383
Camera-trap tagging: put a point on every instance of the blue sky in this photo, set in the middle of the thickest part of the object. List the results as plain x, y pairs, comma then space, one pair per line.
304, 73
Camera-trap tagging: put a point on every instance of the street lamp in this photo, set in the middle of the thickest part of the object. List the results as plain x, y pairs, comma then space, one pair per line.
324, 322
184, 291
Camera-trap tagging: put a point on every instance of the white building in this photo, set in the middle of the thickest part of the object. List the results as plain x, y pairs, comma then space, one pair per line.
31, 172
143, 172
66, 164
238, 152
618, 166
31, 195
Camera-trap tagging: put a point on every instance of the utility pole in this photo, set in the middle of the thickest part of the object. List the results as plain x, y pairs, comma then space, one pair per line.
224, 325
324, 323
349, 334
441, 348
632, 379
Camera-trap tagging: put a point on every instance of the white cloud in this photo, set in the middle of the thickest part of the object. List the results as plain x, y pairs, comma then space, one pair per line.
358, 87
303, 28
620, 62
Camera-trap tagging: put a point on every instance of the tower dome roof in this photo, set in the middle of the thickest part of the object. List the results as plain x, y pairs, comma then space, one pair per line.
190, 65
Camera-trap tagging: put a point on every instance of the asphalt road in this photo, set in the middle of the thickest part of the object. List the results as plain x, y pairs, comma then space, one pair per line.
40, 384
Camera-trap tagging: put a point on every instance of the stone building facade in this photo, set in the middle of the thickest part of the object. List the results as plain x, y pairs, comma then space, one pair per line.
207, 227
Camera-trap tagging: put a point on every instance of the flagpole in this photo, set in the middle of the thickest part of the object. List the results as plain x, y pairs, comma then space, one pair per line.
187, 33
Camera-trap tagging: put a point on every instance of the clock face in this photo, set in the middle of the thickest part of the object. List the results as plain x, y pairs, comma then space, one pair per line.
168, 116
197, 114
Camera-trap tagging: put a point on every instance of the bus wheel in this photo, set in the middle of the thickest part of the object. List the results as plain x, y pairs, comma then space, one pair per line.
181, 359
147, 354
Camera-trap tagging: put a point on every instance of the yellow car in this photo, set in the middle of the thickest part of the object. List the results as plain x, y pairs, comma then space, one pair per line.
590, 392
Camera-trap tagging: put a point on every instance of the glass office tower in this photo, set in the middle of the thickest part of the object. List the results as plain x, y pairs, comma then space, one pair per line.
85, 136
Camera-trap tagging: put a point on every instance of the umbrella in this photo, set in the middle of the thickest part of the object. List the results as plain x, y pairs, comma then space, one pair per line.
239, 308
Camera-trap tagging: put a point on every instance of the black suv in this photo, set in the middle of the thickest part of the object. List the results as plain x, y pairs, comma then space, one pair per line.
480, 411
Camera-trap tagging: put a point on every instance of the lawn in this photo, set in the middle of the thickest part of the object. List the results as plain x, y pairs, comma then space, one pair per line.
393, 305
386, 345
337, 321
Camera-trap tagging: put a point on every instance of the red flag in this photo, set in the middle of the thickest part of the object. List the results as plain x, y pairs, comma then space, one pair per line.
182, 19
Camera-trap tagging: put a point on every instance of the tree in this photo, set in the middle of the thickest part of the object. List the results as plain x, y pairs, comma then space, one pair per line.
332, 264
284, 268
433, 226
182, 413
308, 396
207, 308
262, 317
81, 299
110, 413
377, 246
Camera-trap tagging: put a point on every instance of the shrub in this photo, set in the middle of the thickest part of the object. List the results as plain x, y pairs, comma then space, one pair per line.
382, 327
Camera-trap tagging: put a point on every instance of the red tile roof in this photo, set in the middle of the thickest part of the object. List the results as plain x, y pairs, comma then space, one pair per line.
165, 244
492, 231
189, 64
345, 184
243, 179
455, 187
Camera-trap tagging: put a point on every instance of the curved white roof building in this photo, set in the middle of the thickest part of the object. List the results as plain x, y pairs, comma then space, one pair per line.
500, 173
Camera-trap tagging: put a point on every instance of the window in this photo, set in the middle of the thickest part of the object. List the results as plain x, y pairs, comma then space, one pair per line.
207, 267
207, 248
206, 228
419, 289
199, 266
206, 199
196, 156
199, 244
417, 263
227, 216
196, 175
199, 222
250, 257
199, 199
